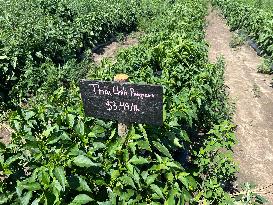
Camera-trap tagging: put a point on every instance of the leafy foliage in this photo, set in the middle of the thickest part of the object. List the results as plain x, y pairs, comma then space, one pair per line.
265, 67
256, 22
261, 4
52, 34
59, 156
236, 40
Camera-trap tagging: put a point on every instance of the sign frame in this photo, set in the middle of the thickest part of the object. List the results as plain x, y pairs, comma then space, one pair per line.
122, 101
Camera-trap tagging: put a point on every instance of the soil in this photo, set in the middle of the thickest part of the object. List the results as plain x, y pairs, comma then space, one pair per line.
111, 49
5, 133
252, 94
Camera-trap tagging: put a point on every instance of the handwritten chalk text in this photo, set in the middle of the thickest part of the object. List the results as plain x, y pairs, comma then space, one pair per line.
120, 91
121, 106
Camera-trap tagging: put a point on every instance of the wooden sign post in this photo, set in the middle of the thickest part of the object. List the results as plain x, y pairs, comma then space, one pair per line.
122, 101
122, 127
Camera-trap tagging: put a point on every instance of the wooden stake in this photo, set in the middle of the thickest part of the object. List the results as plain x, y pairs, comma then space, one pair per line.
122, 128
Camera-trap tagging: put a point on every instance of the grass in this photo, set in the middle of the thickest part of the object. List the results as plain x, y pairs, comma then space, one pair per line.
266, 5
236, 40
256, 90
265, 67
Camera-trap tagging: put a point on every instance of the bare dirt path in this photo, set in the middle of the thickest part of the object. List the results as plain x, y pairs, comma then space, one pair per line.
110, 50
253, 97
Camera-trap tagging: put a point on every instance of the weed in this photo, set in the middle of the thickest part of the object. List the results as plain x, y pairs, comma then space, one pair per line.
250, 194
265, 67
236, 41
256, 90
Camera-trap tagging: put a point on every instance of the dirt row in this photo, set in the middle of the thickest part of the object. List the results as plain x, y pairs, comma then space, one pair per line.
252, 94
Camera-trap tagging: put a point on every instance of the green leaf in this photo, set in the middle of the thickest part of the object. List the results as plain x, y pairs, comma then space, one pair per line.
261, 200
144, 175
2, 146
44, 177
83, 185
59, 173
75, 151
132, 146
105, 203
80, 128
113, 132
83, 161
136, 136
170, 177
47, 132
183, 178
70, 120
81, 199
184, 136
127, 180
29, 115
98, 145
55, 191
36, 201
54, 139
136, 177
174, 164
138, 160
158, 167
143, 144
3, 57
174, 123
186, 194
157, 190
115, 147
151, 178
162, 149
26, 198
164, 113
114, 174
270, 48
16, 125
208, 194
170, 200
130, 168
159, 158
192, 183
12, 159
30, 186
4, 198
176, 142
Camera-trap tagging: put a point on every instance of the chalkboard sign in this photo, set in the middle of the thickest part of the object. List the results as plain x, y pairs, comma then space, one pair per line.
124, 102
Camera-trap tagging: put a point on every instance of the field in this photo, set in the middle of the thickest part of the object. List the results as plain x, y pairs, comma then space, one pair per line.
261, 4
254, 22
55, 154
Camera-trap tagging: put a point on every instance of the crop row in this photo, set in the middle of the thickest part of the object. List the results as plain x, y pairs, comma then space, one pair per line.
41, 38
59, 156
262, 4
256, 22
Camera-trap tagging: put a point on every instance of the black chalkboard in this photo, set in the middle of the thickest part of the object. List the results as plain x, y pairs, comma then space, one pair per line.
124, 102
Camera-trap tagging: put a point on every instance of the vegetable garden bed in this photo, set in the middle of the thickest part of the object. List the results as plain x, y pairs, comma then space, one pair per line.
59, 156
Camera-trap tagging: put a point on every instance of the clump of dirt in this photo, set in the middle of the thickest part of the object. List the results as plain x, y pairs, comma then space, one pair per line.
110, 49
253, 96
5, 133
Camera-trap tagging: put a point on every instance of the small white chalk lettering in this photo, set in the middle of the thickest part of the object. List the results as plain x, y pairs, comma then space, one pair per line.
121, 106
120, 91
